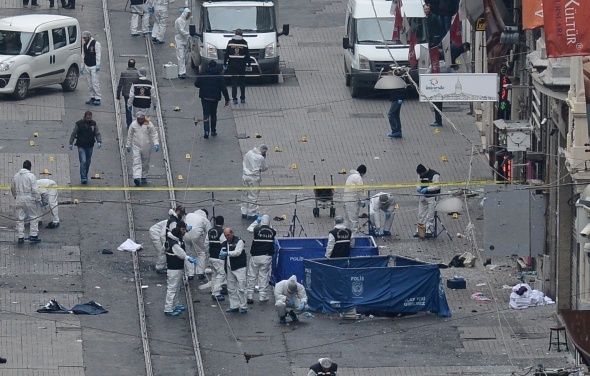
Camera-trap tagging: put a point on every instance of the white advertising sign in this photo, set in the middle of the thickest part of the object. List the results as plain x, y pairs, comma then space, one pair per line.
459, 87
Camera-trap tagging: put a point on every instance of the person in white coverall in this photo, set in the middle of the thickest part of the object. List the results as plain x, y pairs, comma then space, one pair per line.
382, 203
234, 254
198, 225
260, 262
158, 236
28, 201
253, 165
290, 296
181, 40
160, 15
140, 136
354, 198
49, 196
139, 9
175, 259
91, 53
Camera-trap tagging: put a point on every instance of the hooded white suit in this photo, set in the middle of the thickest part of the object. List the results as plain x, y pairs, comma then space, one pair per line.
195, 240
28, 199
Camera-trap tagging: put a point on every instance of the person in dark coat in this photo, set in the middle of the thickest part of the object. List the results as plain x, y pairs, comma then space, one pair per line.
85, 133
237, 56
434, 27
128, 76
211, 86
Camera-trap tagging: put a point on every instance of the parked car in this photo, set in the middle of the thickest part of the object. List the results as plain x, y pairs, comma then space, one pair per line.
39, 50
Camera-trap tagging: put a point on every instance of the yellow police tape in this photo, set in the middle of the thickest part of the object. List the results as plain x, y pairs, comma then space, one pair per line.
268, 188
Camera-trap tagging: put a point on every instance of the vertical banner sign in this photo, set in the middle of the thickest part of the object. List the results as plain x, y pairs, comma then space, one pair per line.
435, 60
412, 50
567, 27
456, 36
532, 14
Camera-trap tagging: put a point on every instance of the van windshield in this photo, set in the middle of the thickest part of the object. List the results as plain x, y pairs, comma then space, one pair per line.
249, 19
14, 42
368, 30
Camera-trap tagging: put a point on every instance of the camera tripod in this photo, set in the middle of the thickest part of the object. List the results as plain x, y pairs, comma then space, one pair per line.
295, 222
369, 223
437, 231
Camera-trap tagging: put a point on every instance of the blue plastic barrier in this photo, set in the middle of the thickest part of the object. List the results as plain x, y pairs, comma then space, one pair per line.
369, 284
290, 253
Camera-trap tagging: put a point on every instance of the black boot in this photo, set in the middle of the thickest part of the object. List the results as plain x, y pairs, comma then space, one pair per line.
51, 3
71, 5
63, 3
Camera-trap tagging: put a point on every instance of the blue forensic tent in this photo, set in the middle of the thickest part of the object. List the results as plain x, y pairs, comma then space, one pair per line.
391, 284
290, 253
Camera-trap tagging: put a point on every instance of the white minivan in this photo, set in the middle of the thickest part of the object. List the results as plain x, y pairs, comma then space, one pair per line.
368, 45
39, 50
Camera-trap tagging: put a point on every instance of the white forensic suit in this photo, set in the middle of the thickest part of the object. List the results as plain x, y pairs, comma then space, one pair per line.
140, 10
28, 201
90, 71
181, 39
286, 300
235, 271
353, 199
48, 191
253, 165
175, 257
158, 236
160, 15
260, 262
142, 96
140, 139
377, 207
427, 201
213, 243
196, 239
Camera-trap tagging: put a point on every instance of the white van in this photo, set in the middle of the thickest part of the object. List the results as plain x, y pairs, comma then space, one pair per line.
39, 50
367, 43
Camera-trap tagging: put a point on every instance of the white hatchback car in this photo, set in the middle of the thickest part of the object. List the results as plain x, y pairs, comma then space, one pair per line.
39, 50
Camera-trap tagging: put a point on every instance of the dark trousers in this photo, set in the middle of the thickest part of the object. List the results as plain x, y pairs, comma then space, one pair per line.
394, 117
209, 114
26, 2
241, 80
437, 117
72, 4
128, 115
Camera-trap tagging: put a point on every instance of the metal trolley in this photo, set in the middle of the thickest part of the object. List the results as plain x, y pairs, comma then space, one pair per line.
324, 199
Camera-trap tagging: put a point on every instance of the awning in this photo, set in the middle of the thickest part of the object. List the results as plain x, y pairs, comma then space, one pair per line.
577, 324
559, 95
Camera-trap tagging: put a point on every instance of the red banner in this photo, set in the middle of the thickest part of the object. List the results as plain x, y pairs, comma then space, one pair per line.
456, 36
398, 23
434, 60
532, 14
412, 50
567, 27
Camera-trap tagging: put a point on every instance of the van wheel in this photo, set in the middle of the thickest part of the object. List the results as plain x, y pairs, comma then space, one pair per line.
71, 81
21, 88
355, 91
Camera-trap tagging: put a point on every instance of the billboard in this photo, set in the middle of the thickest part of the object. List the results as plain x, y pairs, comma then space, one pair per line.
459, 87
566, 27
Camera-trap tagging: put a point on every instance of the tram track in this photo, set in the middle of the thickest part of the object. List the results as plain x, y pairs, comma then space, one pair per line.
144, 326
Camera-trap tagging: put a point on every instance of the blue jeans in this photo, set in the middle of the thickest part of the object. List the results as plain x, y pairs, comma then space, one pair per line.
85, 156
394, 117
